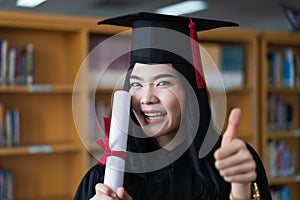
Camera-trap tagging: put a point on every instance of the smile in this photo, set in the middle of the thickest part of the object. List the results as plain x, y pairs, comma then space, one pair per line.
151, 117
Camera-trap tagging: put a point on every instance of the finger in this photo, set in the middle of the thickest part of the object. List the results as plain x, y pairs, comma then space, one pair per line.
122, 194
231, 130
242, 178
103, 189
235, 147
245, 167
102, 197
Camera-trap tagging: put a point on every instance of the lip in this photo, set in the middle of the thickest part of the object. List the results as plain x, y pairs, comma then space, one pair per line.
153, 116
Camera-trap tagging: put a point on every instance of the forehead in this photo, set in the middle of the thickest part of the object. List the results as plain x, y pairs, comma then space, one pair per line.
142, 70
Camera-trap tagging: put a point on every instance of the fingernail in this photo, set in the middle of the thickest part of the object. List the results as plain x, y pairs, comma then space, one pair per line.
114, 195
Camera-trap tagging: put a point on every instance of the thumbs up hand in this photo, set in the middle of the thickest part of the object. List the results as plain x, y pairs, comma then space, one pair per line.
234, 161
233, 122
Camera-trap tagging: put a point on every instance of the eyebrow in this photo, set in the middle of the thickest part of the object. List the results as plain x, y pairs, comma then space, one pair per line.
155, 78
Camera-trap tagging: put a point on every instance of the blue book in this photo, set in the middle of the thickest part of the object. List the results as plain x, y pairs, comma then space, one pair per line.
285, 195
232, 63
288, 68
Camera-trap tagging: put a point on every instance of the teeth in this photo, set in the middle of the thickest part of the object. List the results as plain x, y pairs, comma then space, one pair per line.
157, 114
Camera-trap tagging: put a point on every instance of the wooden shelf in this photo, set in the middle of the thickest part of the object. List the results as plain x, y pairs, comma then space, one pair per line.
234, 90
285, 180
283, 90
45, 107
281, 135
37, 88
39, 149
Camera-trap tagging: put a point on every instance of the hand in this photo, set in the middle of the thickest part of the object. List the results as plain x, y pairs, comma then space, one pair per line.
234, 161
103, 192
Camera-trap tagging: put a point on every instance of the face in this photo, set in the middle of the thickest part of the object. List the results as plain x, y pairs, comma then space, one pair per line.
157, 100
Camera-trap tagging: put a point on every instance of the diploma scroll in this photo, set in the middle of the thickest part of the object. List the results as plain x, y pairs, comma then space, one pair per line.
115, 166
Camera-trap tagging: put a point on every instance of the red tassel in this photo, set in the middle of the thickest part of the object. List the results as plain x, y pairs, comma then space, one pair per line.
196, 56
106, 125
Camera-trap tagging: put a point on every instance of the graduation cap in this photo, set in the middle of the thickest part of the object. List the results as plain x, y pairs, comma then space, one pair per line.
158, 38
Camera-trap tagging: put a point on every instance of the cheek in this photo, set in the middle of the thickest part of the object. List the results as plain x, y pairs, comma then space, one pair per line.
135, 103
171, 103
173, 99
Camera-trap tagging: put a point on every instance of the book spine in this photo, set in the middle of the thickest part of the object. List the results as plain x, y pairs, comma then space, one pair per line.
281, 160
6, 185
10, 125
16, 65
4, 47
29, 64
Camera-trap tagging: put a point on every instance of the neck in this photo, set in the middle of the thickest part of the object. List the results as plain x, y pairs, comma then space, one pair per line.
170, 141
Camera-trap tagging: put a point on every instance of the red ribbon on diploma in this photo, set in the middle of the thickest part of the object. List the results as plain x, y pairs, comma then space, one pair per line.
104, 144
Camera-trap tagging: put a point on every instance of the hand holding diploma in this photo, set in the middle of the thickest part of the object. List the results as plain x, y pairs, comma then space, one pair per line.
104, 192
234, 161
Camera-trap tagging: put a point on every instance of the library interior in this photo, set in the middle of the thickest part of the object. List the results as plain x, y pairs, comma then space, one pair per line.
59, 69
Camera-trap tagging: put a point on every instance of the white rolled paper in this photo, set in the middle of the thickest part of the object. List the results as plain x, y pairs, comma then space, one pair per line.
115, 166
114, 172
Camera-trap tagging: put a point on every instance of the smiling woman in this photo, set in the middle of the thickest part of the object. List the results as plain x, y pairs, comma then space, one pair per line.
157, 99
171, 122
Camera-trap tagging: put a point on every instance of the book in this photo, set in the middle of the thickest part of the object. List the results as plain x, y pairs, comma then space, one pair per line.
226, 61
297, 68
279, 113
29, 64
12, 66
232, 63
11, 135
6, 185
16, 65
2, 122
281, 160
281, 68
280, 192
288, 68
4, 47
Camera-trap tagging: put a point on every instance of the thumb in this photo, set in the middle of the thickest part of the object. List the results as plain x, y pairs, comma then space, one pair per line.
233, 123
122, 194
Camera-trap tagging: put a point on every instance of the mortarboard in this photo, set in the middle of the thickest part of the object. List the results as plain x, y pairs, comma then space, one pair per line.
158, 38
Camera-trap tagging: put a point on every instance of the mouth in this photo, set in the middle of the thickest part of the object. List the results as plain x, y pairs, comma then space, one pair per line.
154, 116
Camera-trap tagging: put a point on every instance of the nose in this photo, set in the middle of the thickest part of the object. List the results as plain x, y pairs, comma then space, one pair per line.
149, 95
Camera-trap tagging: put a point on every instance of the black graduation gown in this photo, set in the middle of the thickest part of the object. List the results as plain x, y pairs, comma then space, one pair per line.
175, 181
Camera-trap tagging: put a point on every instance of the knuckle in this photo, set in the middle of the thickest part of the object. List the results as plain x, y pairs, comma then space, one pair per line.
218, 164
227, 173
254, 176
253, 165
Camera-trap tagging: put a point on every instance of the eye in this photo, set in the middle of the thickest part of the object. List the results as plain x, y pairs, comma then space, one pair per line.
135, 85
163, 83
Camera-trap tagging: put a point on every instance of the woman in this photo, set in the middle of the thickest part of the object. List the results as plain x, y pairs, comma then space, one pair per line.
171, 115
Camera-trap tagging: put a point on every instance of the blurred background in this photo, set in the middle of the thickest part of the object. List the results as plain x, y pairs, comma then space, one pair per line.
259, 14
58, 70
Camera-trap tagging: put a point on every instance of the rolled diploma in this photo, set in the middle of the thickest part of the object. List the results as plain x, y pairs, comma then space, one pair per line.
115, 166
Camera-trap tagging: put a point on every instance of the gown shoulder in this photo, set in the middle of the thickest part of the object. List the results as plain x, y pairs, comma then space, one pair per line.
87, 185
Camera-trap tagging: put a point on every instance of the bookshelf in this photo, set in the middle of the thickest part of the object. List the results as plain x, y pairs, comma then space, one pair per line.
54, 151
279, 75
49, 160
244, 94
